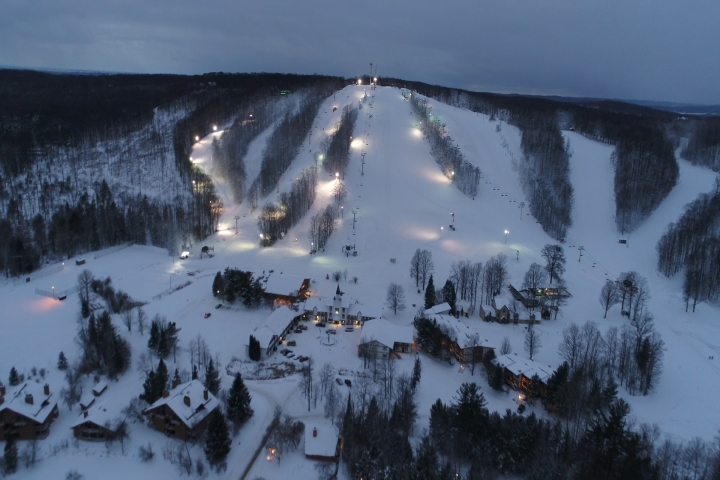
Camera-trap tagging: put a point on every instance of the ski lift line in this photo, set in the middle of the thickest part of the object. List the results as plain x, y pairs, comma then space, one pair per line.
597, 262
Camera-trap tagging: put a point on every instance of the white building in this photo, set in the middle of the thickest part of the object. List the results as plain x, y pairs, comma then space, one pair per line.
382, 337
321, 442
340, 309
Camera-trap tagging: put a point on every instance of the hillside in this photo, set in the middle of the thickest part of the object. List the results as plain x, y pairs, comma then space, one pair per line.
400, 203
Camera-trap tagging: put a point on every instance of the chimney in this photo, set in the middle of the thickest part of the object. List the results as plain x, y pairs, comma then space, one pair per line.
46, 389
175, 383
314, 432
29, 398
2, 390
166, 394
186, 399
205, 394
85, 414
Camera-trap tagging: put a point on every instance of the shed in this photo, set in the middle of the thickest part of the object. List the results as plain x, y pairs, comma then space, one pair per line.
322, 443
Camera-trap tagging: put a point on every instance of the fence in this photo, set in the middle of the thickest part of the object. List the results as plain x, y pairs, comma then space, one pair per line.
110, 250
38, 274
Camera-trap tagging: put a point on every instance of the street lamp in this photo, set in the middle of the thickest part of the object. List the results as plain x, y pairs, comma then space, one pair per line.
197, 138
506, 232
53, 291
214, 128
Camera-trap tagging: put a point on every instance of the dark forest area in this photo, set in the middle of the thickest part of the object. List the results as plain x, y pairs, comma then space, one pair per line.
55, 128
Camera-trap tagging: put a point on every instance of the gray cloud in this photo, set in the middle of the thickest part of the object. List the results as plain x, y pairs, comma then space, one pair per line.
643, 49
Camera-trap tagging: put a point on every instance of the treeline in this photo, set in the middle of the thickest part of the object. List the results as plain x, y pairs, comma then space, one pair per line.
703, 146
60, 133
466, 441
285, 142
545, 173
692, 245
275, 219
336, 148
646, 169
228, 152
462, 173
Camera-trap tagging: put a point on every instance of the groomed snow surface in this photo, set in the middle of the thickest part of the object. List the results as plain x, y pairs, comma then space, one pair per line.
400, 205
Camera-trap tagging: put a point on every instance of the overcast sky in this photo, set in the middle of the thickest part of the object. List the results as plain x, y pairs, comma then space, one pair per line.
664, 50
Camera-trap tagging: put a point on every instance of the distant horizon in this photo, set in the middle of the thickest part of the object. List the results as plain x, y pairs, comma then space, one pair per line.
550, 96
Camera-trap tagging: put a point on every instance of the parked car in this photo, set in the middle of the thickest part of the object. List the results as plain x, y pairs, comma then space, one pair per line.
349, 328
339, 382
207, 315
285, 351
298, 330
348, 382
303, 359
292, 343
320, 324
521, 408
219, 305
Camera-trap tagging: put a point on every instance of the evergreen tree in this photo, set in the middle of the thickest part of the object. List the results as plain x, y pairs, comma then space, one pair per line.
218, 288
154, 336
194, 373
10, 458
149, 388
62, 362
238, 404
212, 379
176, 378
417, 371
254, 349
217, 439
430, 294
14, 378
449, 295
161, 378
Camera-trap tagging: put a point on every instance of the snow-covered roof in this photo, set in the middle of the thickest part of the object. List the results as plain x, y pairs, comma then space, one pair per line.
87, 400
366, 310
323, 304
283, 284
315, 302
441, 309
99, 388
100, 414
518, 365
387, 332
42, 404
322, 445
198, 409
273, 326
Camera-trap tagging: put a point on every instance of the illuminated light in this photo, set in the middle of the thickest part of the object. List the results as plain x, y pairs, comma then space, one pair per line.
214, 128
261, 236
356, 143
197, 139
375, 79
321, 157
359, 81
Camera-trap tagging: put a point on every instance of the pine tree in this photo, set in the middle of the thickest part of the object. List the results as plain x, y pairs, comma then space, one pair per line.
449, 295
254, 349
14, 378
154, 336
194, 373
161, 378
430, 294
417, 371
238, 405
218, 289
217, 439
10, 458
212, 379
149, 388
62, 362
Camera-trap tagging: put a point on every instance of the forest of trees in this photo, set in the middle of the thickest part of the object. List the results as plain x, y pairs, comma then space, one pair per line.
60, 134
692, 245
336, 147
461, 172
703, 146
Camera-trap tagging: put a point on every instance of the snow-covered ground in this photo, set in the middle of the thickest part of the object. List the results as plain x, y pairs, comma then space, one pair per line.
400, 205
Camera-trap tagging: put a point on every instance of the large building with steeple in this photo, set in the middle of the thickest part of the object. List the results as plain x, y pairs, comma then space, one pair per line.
340, 309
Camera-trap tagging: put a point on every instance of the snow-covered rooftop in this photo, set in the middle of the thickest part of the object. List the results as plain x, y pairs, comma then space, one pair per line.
17, 400
519, 365
199, 407
438, 309
283, 284
87, 400
99, 388
387, 332
100, 414
322, 445
273, 326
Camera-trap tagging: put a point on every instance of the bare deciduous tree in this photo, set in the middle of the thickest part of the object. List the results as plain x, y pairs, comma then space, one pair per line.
532, 341
395, 298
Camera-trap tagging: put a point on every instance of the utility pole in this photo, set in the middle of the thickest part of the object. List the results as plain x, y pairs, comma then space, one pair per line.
522, 204
362, 165
354, 212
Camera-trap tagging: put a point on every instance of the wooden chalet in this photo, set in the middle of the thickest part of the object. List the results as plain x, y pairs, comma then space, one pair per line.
382, 339
27, 411
459, 340
518, 372
273, 330
97, 424
286, 289
183, 412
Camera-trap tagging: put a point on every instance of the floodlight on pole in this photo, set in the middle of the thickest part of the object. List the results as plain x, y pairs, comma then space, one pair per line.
214, 128
506, 234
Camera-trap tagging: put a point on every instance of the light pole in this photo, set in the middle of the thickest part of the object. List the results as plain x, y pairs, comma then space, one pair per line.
522, 204
362, 167
237, 217
342, 211
506, 233
53, 291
